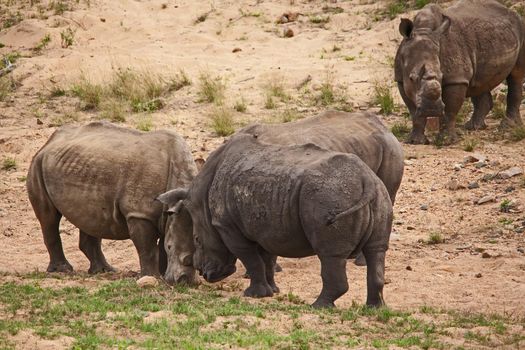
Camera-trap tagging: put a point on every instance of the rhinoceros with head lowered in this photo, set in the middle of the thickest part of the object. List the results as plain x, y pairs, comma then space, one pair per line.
253, 201
463, 51
104, 179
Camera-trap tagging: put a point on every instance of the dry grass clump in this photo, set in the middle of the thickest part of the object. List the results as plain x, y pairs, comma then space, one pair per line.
383, 98
222, 121
211, 89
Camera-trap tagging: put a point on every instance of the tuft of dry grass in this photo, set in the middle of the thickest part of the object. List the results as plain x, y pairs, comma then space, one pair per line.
211, 89
222, 121
383, 98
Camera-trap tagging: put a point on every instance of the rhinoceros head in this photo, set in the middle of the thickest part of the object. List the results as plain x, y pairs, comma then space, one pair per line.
421, 69
209, 254
178, 240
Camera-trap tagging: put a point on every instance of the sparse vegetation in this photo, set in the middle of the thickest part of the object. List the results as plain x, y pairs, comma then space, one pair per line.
240, 105
43, 43
145, 123
222, 121
180, 80
211, 89
269, 103
517, 133
113, 110
395, 7
89, 93
435, 238
499, 109
327, 93
7, 86
320, 20
464, 112
505, 206
289, 115
470, 143
56, 91
8, 163
67, 37
400, 129
65, 118
383, 98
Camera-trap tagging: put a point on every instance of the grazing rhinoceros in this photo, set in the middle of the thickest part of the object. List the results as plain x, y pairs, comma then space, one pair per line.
253, 200
463, 51
104, 180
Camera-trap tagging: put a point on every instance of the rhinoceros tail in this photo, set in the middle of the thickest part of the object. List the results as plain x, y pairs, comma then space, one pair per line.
366, 198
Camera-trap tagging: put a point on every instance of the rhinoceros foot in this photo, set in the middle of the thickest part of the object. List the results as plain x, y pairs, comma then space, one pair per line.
101, 269
446, 138
62, 266
417, 138
258, 291
472, 125
323, 304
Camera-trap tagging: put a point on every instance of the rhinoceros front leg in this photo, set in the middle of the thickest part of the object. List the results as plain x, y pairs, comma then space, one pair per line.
270, 262
514, 95
482, 106
453, 98
91, 247
417, 135
375, 277
335, 283
144, 236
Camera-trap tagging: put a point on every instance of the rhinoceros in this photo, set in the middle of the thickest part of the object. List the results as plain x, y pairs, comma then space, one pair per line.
104, 179
361, 133
253, 201
463, 51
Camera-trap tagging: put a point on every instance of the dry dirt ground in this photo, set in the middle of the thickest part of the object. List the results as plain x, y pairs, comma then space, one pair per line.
479, 267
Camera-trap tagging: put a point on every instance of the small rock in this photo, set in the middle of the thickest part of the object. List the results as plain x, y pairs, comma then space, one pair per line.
473, 185
409, 268
486, 199
288, 33
487, 177
147, 282
408, 162
424, 207
103, 20
458, 166
388, 281
510, 189
521, 250
398, 222
283, 19
411, 228
506, 174
478, 275
480, 164
486, 255
519, 229
237, 49
39, 122
494, 163
475, 157
453, 185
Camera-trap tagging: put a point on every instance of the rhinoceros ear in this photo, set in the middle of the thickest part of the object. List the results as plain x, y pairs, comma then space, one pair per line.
443, 27
172, 197
405, 27
175, 209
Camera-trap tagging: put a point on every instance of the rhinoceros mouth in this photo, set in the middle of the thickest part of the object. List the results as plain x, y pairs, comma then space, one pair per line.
216, 276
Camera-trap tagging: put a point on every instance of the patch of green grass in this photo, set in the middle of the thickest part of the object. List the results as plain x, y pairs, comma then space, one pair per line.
517, 133
269, 102
42, 44
67, 37
7, 86
349, 58
9, 163
89, 93
56, 91
327, 94
211, 89
499, 109
11, 57
222, 121
240, 105
275, 88
113, 314
396, 7
470, 143
383, 98
419, 4
464, 112
505, 206
435, 238
113, 110
12, 19
145, 123
65, 118
400, 129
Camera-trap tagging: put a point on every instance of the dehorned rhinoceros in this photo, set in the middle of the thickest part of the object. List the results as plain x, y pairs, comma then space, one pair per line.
253, 200
104, 179
463, 51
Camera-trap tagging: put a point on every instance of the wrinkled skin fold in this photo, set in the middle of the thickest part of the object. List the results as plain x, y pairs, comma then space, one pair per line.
440, 62
104, 180
253, 201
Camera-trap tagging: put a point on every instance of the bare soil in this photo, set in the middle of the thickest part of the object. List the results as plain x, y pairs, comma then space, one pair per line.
479, 267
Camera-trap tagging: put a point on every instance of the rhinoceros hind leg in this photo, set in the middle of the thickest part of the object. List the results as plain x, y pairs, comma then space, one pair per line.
50, 221
482, 106
91, 247
360, 260
514, 95
269, 266
335, 283
375, 277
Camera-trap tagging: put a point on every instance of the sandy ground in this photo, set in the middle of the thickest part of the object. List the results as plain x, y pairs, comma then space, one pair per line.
480, 266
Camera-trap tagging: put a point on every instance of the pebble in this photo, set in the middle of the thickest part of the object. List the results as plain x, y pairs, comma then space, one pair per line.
147, 282
471, 158
288, 33
510, 189
478, 275
507, 174
473, 185
237, 49
424, 207
408, 162
480, 164
521, 250
409, 268
486, 199
453, 185
486, 255
458, 166
410, 228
